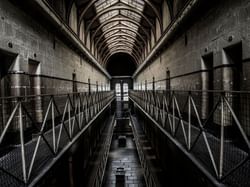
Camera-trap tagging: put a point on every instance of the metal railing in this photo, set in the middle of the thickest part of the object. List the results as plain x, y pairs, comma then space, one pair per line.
46, 127
213, 126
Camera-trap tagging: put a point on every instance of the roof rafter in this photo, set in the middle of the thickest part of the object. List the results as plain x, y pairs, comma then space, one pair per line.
118, 8
111, 37
124, 46
91, 3
116, 36
117, 42
120, 28
119, 19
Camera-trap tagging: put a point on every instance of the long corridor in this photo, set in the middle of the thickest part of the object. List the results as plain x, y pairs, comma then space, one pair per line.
125, 158
126, 93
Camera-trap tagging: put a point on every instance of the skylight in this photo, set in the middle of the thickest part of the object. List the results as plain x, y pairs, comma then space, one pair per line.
127, 9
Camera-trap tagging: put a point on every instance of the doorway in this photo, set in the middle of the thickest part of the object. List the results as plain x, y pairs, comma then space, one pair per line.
33, 78
232, 80
207, 79
6, 66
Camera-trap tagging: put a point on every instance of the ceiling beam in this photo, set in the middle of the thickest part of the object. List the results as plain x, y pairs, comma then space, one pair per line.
124, 46
117, 42
119, 19
114, 37
113, 8
92, 2
119, 28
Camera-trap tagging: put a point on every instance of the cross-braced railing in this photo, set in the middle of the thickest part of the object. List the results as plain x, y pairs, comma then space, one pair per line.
42, 128
213, 126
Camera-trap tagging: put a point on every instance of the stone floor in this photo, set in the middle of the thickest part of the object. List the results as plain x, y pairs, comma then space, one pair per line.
127, 158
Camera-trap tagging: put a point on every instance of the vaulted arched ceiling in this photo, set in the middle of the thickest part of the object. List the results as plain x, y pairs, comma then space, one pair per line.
116, 21
108, 27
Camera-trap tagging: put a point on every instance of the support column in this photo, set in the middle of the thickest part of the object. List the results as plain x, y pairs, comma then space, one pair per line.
205, 95
207, 78
38, 101
15, 90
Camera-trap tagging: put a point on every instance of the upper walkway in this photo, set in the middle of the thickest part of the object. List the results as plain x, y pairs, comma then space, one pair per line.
220, 151
39, 146
43, 128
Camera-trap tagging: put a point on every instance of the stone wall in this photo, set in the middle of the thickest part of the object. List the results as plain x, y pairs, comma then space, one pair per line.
213, 53
36, 50
218, 29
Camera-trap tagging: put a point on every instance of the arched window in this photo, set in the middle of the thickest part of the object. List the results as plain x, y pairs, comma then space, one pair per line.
125, 91
73, 18
152, 39
81, 33
166, 18
158, 29
118, 91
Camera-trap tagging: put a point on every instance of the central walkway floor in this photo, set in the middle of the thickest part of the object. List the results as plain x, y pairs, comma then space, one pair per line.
127, 158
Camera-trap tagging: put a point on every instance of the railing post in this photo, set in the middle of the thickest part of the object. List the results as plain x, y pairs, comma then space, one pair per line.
173, 117
189, 120
221, 136
69, 118
96, 86
146, 86
22, 142
53, 124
